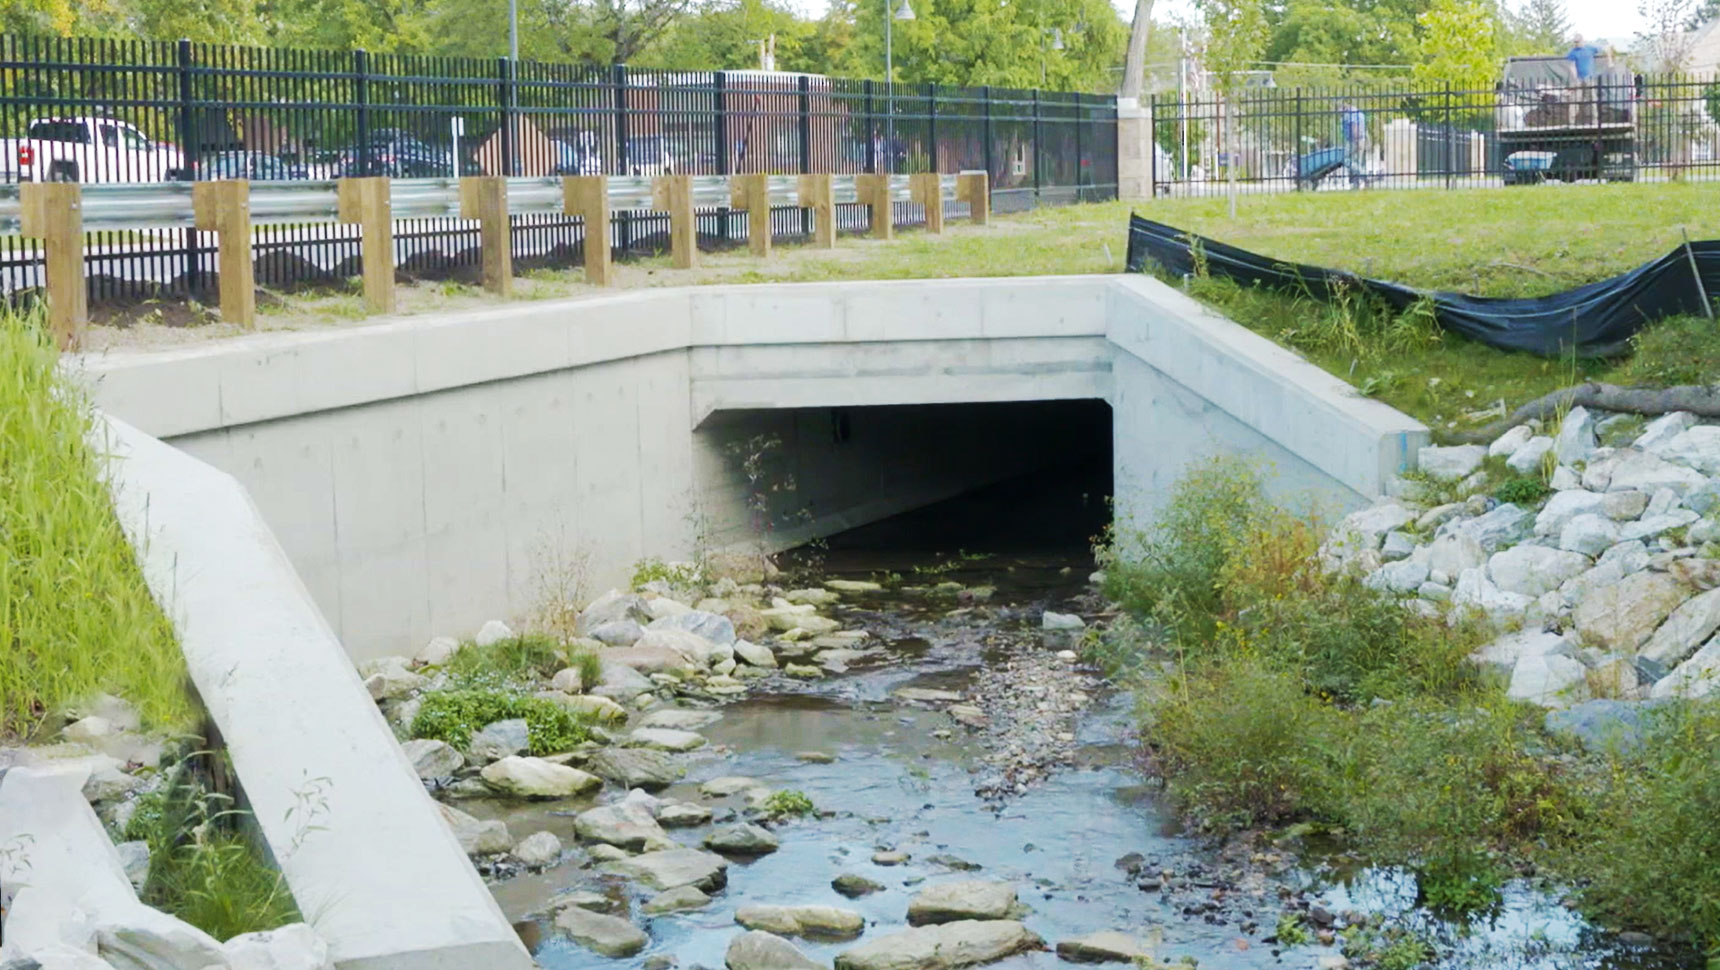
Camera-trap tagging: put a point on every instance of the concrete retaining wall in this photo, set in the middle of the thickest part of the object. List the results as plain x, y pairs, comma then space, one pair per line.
423, 474
364, 851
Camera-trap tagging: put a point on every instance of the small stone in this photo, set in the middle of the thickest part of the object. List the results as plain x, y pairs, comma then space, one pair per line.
668, 868
803, 671
925, 695
1448, 464
1507, 444
499, 739
758, 950
1575, 441
637, 767
665, 739
743, 839
438, 651
1061, 621
1549, 680
88, 730
610, 936
537, 778
431, 758
854, 885
815, 757
1106, 946
891, 857
1398, 545
1528, 459
492, 633
677, 900
969, 899
476, 837
567, 680
134, 856
1588, 534
389, 678
853, 586
1624, 506
538, 850
627, 823
823, 922
728, 785
680, 815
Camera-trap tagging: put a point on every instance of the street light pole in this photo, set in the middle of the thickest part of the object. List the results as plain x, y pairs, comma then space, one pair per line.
904, 12
513, 30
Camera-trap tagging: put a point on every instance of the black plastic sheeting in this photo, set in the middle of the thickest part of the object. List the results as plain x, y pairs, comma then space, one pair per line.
1598, 320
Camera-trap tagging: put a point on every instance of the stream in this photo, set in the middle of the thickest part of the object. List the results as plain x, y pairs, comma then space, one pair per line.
1085, 838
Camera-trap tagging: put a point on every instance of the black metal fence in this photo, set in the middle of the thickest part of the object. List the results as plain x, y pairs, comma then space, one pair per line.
1613, 126
135, 111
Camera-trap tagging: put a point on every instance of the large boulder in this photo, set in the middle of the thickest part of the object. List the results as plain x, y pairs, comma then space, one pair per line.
610, 936
1576, 438
537, 778
1565, 506
681, 719
637, 767
1474, 591
742, 839
825, 922
758, 950
1621, 617
1528, 459
941, 947
669, 868
432, 758
1450, 554
1650, 473
1696, 447
694, 649
1662, 430
628, 824
1550, 680
1602, 725
292, 947
1403, 576
136, 936
968, 899
1503, 653
1588, 534
1501, 526
621, 682
1106, 946
713, 627
1698, 676
665, 739
617, 633
1687, 628
1533, 570
613, 606
499, 739
476, 837
1448, 464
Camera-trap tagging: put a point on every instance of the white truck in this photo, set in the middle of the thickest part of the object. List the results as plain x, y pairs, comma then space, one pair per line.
90, 149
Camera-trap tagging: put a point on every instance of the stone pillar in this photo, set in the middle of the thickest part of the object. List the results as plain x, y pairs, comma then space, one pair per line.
1135, 150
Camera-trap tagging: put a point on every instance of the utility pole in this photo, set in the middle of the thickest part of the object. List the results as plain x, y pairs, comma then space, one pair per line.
513, 30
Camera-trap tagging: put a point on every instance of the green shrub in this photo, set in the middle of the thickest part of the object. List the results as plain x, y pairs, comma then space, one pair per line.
75, 614
1647, 845
678, 575
1678, 350
589, 665
523, 659
453, 715
1524, 490
787, 803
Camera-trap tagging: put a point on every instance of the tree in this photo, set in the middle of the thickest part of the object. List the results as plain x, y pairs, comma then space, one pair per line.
727, 36
1236, 32
1459, 45
1705, 11
1010, 43
1665, 42
1135, 64
1542, 27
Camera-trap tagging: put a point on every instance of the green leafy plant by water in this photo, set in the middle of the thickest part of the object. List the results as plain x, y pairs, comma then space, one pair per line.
788, 803
75, 615
453, 715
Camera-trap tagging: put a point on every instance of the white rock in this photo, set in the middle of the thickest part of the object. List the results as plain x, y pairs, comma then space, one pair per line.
135, 936
291, 947
1403, 576
1398, 545
629, 824
1437, 516
1620, 618
714, 627
1371, 524
1624, 506
493, 632
1661, 502
1502, 526
1697, 677
1575, 441
537, 778
1651, 473
567, 680
660, 607
1533, 570
1504, 653
1588, 534
1632, 556
438, 651
1564, 478
431, 758
1651, 526
1662, 430
538, 850
499, 739
134, 856
387, 678
1434, 592
1696, 447
754, 654
1550, 680
1061, 621
944, 946
1475, 591
1452, 554
1527, 459
1689, 626
1448, 464
696, 649
88, 730
1565, 506
1508, 443
966, 899
665, 739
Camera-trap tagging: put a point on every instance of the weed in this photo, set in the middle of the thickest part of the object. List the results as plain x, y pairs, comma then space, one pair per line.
788, 804
676, 575
1524, 490
520, 660
1291, 931
453, 715
1388, 948
589, 665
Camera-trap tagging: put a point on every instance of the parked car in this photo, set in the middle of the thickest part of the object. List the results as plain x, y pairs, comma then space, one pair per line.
649, 155
89, 149
255, 166
578, 154
397, 154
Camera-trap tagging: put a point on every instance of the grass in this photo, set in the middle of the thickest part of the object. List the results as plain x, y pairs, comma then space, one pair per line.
453, 715
75, 615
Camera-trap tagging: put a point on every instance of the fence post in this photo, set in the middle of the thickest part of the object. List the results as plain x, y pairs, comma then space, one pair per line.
752, 193
985, 126
510, 150
53, 213
720, 131
1080, 122
224, 208
188, 140
1036, 147
818, 193
927, 189
485, 198
587, 196
365, 201
804, 99
1450, 135
974, 188
1296, 149
932, 125
874, 191
361, 97
674, 194
871, 130
618, 78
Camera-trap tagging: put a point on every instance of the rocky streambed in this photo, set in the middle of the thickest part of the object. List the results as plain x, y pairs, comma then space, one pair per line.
953, 787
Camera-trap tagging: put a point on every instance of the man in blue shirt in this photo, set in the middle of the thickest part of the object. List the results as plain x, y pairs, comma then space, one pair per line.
1582, 56
1355, 126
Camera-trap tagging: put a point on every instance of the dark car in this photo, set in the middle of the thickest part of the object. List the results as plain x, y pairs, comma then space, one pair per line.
396, 154
254, 166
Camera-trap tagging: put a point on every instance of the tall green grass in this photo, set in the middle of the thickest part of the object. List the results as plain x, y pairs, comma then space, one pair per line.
75, 615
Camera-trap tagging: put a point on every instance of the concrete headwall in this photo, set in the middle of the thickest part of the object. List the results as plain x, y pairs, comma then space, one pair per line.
423, 474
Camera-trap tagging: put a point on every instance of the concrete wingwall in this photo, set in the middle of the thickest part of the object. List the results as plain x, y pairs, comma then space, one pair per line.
425, 475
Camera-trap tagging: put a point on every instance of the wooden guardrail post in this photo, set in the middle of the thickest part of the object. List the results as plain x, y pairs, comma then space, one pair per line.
927, 189
587, 196
974, 188
485, 198
365, 201
224, 208
874, 190
674, 194
752, 193
818, 193
54, 213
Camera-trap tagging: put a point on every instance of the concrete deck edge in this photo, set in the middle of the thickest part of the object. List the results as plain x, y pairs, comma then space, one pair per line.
368, 859
1358, 441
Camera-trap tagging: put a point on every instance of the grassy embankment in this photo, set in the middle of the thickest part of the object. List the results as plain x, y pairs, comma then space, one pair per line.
78, 619
1302, 702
